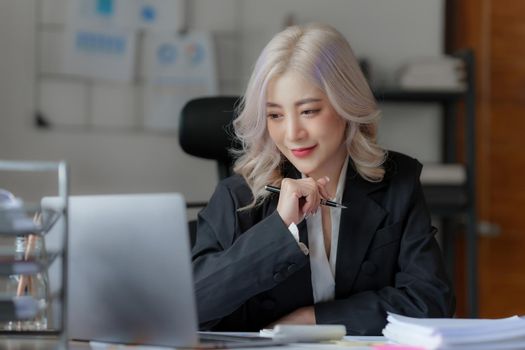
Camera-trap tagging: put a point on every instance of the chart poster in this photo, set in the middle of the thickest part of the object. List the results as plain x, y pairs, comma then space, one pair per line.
97, 53
155, 15
177, 68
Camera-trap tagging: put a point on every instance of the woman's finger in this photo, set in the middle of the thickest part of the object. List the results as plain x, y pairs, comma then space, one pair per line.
321, 184
311, 193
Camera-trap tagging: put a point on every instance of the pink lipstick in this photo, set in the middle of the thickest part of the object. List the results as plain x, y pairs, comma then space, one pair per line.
303, 152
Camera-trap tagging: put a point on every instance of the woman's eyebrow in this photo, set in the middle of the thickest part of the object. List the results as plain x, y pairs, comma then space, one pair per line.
298, 103
307, 100
272, 104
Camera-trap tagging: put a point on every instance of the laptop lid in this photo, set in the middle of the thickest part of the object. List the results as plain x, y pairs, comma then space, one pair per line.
130, 275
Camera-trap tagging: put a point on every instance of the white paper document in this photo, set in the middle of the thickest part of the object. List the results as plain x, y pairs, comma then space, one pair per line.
456, 333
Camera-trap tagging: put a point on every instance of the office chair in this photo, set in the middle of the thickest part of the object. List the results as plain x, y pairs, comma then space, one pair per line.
206, 131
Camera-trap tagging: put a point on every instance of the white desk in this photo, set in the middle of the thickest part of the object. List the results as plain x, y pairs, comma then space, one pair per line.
37, 343
47, 343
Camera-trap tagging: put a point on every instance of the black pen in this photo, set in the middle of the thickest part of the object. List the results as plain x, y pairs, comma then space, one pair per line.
326, 202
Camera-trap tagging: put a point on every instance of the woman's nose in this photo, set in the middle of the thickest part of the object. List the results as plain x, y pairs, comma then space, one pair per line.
294, 129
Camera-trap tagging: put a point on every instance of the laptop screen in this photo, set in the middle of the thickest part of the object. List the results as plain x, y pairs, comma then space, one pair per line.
130, 276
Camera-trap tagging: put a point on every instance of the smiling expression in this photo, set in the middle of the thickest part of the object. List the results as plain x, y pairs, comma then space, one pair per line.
305, 127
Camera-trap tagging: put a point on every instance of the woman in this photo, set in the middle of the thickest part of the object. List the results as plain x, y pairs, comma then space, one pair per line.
307, 124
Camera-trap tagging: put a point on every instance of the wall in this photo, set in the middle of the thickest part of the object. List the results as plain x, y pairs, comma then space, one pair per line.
112, 161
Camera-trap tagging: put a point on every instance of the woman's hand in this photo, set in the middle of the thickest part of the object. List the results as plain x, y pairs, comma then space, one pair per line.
300, 197
303, 315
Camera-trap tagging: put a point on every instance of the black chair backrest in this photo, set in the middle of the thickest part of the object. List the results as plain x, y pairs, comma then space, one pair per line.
206, 131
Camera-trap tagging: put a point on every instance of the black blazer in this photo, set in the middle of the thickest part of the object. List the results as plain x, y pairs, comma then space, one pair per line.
249, 270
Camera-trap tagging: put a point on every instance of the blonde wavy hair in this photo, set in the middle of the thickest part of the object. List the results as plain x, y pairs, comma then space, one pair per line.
324, 57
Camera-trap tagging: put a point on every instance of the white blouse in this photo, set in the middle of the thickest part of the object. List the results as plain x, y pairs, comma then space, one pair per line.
322, 268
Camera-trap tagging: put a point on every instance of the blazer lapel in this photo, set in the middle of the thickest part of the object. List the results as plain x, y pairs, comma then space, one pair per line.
359, 222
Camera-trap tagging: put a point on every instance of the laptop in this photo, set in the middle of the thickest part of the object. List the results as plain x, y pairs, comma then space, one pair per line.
130, 275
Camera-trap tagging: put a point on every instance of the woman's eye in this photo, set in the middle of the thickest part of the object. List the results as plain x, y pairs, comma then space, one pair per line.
310, 112
273, 115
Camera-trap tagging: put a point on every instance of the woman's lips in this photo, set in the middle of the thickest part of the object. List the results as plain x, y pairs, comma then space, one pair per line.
303, 152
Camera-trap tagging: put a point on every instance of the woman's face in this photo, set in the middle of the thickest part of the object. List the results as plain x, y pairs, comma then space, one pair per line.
304, 126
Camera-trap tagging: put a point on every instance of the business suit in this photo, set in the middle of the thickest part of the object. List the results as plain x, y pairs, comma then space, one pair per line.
249, 270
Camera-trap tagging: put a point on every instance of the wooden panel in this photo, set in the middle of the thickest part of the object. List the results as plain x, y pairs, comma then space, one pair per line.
496, 31
508, 9
508, 75
502, 262
502, 276
507, 51
507, 181
507, 125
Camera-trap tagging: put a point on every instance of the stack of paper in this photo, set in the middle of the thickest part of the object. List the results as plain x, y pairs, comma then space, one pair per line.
461, 334
434, 73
